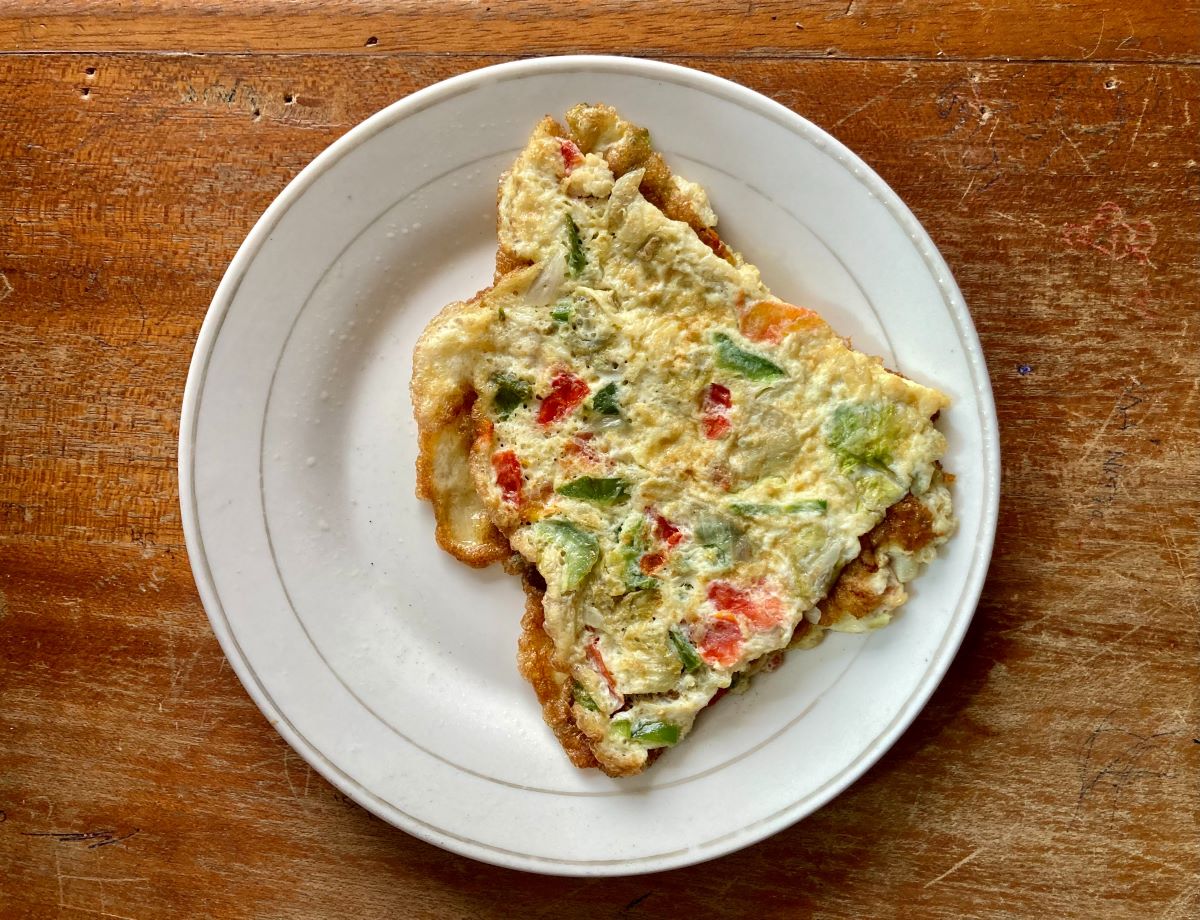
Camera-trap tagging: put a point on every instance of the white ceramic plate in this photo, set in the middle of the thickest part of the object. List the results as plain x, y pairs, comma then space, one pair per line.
389, 666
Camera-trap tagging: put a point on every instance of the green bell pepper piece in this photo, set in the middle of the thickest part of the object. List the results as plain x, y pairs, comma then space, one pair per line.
684, 649
755, 509
511, 392
576, 258
732, 357
647, 732
601, 490
605, 400
580, 550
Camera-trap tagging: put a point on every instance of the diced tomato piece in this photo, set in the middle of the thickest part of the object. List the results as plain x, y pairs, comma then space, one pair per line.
571, 154
715, 408
771, 320
719, 395
761, 608
566, 393
509, 476
652, 562
578, 447
665, 530
725, 596
720, 477
768, 612
716, 427
722, 642
597, 660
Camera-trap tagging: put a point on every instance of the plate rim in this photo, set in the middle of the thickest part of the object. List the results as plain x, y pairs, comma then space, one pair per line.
223, 298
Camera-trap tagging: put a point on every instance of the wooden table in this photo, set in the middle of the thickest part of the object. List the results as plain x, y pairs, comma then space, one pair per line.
1052, 154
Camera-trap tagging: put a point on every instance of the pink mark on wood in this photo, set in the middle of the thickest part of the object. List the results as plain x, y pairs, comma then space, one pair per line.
1114, 234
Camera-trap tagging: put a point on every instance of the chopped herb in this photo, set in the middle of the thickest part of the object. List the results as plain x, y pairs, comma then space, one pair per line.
732, 357
580, 550
601, 490
684, 649
500, 312
605, 400
511, 392
562, 311
576, 258
755, 509
583, 698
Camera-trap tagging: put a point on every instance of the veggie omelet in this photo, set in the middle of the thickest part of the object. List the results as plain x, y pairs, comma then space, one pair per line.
694, 475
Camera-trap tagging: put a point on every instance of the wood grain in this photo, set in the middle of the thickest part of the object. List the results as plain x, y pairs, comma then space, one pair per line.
1005, 30
1054, 772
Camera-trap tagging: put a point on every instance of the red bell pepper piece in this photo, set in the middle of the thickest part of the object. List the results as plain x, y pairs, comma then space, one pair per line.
715, 411
566, 393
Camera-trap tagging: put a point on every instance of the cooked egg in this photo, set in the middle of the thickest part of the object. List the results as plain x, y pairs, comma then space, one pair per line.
688, 461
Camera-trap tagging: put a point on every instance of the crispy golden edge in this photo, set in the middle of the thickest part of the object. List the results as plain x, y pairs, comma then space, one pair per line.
632, 152
536, 662
635, 151
909, 525
453, 420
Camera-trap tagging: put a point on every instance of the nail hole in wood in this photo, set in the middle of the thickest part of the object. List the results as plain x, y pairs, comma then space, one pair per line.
90, 71
288, 99
372, 41
85, 92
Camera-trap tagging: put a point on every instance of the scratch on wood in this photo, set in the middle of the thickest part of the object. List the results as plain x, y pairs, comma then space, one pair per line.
101, 881
635, 902
1138, 127
1183, 905
967, 192
286, 773
1110, 646
6, 287
1031, 221
1079, 153
1121, 765
1186, 575
1099, 39
102, 838
1090, 448
958, 865
870, 102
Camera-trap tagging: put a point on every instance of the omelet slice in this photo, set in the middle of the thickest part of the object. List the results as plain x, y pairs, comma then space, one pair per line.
694, 474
